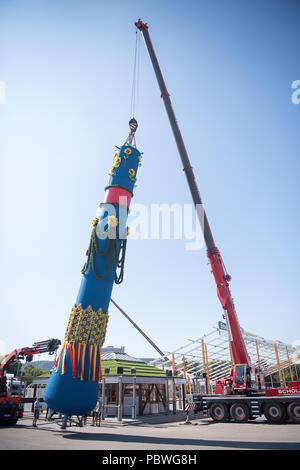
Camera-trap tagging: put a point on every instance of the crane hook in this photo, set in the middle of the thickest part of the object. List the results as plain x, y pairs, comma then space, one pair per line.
133, 125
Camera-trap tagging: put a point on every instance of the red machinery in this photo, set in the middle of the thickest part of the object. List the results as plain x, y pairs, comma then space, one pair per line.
11, 407
244, 379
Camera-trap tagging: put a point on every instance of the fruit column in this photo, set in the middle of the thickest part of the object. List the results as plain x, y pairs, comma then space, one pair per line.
73, 385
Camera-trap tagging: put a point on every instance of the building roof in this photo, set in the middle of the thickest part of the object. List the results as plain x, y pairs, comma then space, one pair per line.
118, 356
130, 365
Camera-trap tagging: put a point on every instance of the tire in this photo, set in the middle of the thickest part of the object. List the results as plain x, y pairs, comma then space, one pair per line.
219, 412
239, 412
275, 413
294, 412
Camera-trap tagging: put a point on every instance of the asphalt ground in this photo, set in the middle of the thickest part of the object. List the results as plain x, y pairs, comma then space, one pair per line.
168, 433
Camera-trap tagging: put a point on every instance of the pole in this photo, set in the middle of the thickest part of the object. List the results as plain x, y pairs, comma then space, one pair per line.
173, 384
207, 369
184, 366
204, 365
257, 351
120, 407
142, 332
289, 361
184, 374
103, 400
278, 365
296, 370
167, 396
134, 399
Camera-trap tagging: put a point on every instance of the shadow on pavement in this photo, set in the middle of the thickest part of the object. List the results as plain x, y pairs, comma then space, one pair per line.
123, 439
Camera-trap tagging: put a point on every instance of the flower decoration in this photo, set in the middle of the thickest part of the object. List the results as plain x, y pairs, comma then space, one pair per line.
127, 152
111, 171
95, 221
131, 174
112, 221
117, 162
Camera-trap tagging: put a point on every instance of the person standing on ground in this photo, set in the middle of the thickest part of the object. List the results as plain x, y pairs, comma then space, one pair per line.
37, 407
96, 413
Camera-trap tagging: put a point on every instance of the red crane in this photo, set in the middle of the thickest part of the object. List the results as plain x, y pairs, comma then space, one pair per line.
245, 395
237, 346
11, 407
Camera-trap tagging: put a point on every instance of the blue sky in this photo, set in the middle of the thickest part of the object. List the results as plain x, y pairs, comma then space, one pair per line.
229, 67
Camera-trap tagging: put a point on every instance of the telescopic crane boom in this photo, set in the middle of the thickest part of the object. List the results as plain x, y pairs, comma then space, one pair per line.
237, 346
50, 346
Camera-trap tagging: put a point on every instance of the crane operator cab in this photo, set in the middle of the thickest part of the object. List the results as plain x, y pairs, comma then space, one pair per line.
242, 378
246, 378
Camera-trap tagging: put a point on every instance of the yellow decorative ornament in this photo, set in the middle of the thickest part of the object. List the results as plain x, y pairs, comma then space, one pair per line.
127, 152
111, 171
77, 328
140, 160
131, 173
112, 221
95, 221
117, 162
82, 338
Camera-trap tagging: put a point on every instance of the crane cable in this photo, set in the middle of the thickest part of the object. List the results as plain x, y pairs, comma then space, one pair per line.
136, 77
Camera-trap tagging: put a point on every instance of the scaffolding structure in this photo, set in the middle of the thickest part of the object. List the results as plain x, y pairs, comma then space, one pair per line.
209, 356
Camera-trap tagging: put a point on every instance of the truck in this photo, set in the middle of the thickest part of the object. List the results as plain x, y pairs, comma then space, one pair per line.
14, 386
241, 396
11, 399
276, 405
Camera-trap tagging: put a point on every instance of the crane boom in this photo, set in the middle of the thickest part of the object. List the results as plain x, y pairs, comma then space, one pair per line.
237, 346
50, 346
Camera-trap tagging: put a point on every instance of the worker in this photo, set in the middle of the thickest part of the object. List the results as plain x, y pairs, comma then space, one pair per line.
227, 390
96, 414
37, 408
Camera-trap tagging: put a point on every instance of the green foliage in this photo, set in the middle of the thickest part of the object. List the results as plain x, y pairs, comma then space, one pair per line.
31, 371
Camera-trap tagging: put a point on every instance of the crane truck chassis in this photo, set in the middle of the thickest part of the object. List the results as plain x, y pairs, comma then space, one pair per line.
276, 405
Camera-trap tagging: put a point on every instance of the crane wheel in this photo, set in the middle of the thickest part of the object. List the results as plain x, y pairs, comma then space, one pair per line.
275, 413
219, 412
294, 412
240, 412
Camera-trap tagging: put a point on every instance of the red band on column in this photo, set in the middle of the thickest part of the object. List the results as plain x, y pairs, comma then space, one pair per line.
117, 196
